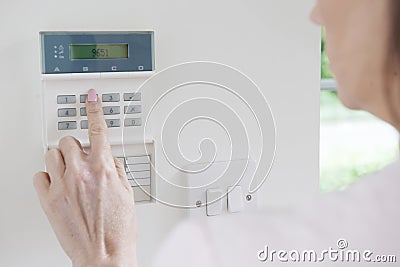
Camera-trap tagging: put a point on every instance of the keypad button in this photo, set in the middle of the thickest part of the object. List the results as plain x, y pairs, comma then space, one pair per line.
137, 182
132, 96
111, 123
111, 97
84, 125
66, 112
83, 112
132, 183
83, 98
142, 193
133, 122
139, 175
133, 109
66, 99
137, 160
67, 125
138, 167
111, 110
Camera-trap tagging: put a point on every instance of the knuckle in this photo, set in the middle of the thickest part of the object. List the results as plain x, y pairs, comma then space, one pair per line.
94, 108
66, 140
103, 170
37, 179
91, 172
82, 179
118, 163
81, 176
74, 171
97, 128
67, 151
52, 153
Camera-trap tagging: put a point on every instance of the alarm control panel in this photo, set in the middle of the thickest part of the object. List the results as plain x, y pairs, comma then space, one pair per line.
115, 64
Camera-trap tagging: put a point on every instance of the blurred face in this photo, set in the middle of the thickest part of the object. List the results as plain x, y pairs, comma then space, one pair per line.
358, 36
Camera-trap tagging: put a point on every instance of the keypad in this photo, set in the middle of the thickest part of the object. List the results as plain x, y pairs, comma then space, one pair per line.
112, 109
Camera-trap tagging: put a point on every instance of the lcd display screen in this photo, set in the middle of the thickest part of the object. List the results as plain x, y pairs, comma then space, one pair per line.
98, 51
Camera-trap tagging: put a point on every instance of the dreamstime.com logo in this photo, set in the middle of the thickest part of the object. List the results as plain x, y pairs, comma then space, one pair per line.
339, 254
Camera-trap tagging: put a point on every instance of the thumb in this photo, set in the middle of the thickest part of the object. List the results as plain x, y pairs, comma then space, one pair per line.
41, 182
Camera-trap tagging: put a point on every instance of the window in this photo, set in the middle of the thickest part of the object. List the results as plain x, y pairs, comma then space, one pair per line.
352, 143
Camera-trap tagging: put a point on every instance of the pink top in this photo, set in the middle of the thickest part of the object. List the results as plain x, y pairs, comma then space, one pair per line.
365, 217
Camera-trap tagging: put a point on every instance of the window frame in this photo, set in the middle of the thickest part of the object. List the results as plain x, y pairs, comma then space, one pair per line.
328, 85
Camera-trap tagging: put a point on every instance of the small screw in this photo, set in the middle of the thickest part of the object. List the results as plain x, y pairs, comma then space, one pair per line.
198, 204
248, 197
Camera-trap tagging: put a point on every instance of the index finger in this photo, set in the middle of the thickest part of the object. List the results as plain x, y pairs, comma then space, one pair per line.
97, 127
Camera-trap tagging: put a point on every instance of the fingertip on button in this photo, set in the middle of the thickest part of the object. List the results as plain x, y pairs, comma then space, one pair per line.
92, 96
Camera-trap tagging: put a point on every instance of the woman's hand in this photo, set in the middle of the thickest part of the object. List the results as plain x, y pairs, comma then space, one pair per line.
87, 198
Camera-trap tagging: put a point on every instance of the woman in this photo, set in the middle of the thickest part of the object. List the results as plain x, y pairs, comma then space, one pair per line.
95, 221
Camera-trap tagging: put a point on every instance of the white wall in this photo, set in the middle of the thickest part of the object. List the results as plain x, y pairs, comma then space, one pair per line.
271, 41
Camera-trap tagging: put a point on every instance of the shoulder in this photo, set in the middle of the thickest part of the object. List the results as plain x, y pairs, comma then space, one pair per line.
375, 190
366, 213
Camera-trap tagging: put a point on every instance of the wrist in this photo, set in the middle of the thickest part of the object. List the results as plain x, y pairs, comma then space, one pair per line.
107, 262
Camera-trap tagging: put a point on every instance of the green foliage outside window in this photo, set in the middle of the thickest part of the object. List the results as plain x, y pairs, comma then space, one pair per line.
325, 72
